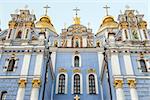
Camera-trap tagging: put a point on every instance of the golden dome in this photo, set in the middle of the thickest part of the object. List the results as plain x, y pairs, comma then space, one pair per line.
45, 22
108, 22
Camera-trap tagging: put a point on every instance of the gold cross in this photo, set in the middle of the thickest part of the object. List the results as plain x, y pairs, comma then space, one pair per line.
77, 97
46, 8
106, 7
76, 10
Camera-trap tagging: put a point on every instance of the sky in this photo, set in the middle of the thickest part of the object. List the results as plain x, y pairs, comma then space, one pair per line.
61, 11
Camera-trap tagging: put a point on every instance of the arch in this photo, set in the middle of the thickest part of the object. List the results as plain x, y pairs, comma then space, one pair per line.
77, 87
92, 83
11, 64
76, 41
78, 58
61, 83
19, 34
3, 95
143, 65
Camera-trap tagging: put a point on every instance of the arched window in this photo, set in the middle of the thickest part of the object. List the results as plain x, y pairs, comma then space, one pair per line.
19, 34
3, 95
27, 33
11, 64
76, 61
143, 65
76, 84
126, 34
92, 85
77, 43
61, 84
145, 34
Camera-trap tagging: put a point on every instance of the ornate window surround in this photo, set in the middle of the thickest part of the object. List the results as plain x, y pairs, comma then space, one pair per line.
96, 82
66, 82
76, 54
146, 62
7, 62
81, 83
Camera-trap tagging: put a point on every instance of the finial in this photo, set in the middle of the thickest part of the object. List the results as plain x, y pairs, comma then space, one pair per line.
16, 11
26, 6
46, 8
76, 10
121, 12
127, 7
106, 7
89, 24
32, 11
64, 25
137, 11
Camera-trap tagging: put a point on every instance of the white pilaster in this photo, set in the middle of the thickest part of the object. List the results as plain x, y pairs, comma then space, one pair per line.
128, 64
25, 66
115, 64
119, 94
20, 94
132, 86
53, 57
119, 91
34, 93
134, 95
24, 72
84, 41
36, 81
38, 64
100, 60
69, 42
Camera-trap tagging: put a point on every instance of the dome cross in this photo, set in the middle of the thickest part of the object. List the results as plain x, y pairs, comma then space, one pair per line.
106, 7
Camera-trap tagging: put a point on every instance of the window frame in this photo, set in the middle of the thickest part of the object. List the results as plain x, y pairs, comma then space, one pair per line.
5, 67
81, 83
73, 61
146, 62
96, 83
66, 82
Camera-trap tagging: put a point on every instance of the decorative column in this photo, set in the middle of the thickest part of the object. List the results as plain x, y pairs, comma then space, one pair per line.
118, 84
23, 76
128, 64
36, 82
53, 57
84, 41
100, 60
115, 63
133, 92
21, 89
35, 89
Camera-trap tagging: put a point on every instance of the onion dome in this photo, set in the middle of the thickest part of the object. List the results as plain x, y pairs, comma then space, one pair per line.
108, 22
45, 22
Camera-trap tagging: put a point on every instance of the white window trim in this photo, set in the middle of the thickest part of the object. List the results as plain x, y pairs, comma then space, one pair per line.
81, 83
96, 82
66, 82
79, 59
7, 62
146, 62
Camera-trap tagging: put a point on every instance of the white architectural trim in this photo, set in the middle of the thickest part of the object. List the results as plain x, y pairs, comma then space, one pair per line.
115, 64
7, 62
96, 82
100, 61
20, 94
146, 62
79, 59
128, 64
38, 64
25, 66
66, 82
81, 83
53, 57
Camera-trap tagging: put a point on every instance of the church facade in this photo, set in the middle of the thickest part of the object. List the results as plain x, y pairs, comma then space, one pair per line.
37, 63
